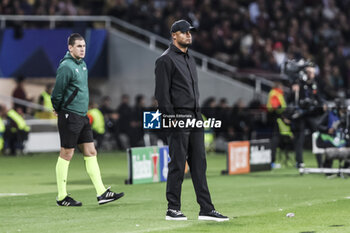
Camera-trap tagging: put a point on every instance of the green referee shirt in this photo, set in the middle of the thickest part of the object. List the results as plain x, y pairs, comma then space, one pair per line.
71, 91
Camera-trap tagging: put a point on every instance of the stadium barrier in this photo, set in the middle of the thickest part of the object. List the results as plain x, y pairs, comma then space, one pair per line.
43, 136
248, 156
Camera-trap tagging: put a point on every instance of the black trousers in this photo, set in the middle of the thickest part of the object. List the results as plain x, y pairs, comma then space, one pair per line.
187, 144
275, 139
299, 127
15, 140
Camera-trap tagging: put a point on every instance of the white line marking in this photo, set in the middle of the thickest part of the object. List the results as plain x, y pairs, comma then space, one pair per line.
12, 194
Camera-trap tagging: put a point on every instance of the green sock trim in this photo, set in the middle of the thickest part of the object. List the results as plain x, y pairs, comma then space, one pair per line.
61, 177
93, 170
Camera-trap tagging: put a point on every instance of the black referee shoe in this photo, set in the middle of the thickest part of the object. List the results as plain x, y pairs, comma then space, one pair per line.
108, 196
175, 215
212, 216
68, 201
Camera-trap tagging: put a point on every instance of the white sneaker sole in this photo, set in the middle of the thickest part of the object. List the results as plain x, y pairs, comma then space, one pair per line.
208, 218
106, 201
175, 219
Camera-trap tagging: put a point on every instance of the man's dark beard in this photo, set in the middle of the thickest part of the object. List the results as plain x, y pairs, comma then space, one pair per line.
184, 45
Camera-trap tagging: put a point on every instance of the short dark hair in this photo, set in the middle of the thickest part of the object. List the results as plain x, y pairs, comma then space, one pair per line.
73, 37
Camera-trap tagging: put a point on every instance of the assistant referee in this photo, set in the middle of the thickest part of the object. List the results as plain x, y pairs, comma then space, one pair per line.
70, 99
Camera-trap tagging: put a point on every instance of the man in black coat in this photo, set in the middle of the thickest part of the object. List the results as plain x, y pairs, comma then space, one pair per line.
177, 93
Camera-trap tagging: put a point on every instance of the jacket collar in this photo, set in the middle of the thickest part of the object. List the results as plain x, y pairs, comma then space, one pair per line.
177, 50
69, 56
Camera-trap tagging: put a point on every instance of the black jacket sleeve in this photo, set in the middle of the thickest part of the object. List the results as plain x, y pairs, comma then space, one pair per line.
163, 71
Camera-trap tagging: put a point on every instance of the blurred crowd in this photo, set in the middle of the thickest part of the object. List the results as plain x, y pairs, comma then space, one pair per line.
257, 35
42, 7
120, 126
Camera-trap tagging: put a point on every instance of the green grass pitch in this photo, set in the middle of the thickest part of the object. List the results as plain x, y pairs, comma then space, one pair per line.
255, 202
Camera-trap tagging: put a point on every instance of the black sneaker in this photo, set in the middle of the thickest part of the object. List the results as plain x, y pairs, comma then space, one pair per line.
213, 216
175, 215
108, 196
68, 201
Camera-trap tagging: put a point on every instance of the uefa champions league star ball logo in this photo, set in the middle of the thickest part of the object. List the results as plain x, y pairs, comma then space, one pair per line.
151, 120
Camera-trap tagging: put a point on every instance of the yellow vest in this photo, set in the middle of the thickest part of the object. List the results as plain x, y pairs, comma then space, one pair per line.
284, 128
48, 113
208, 137
19, 120
2, 130
98, 124
47, 100
279, 95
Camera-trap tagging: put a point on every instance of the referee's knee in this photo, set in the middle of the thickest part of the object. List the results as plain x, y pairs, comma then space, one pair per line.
66, 154
90, 152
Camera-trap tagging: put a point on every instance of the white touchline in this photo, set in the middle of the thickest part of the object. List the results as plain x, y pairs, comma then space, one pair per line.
12, 194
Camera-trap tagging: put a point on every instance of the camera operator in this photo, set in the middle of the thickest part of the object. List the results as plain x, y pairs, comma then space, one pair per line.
333, 137
307, 105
